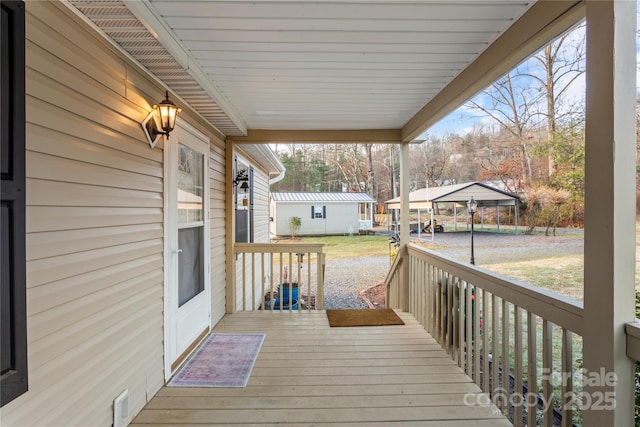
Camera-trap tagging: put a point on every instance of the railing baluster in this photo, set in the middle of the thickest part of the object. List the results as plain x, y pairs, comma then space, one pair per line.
438, 308
244, 282
532, 370
253, 281
282, 280
320, 288
298, 280
567, 378
271, 299
262, 279
485, 341
495, 385
458, 313
517, 366
431, 300
308, 283
468, 329
476, 335
454, 315
414, 291
547, 368
411, 307
506, 371
289, 282
424, 294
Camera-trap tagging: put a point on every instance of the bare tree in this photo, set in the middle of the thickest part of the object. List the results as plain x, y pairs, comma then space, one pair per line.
371, 175
563, 62
512, 106
530, 96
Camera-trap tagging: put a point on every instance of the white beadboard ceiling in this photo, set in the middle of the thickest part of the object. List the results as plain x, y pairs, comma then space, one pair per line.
264, 64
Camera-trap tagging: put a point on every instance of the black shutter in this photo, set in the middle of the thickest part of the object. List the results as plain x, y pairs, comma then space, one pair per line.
312, 213
324, 212
13, 313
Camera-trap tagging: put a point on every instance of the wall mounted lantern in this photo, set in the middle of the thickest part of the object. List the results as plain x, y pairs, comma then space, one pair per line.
161, 120
243, 177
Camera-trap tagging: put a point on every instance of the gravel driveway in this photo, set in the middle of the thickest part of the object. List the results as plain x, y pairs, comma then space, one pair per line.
346, 277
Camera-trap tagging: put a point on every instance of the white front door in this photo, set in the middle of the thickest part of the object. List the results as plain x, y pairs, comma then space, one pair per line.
187, 286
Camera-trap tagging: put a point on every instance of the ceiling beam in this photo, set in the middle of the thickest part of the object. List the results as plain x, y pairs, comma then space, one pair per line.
545, 20
275, 136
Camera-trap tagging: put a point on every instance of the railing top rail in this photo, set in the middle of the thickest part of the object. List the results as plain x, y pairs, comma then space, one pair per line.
278, 247
395, 265
633, 340
556, 308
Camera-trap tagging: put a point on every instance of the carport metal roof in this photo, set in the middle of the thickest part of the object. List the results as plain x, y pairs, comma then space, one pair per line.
484, 194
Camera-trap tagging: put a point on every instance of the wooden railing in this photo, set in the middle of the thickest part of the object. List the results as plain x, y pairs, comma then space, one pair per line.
279, 276
515, 341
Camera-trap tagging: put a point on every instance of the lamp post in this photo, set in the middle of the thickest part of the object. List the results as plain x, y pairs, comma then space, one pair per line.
471, 207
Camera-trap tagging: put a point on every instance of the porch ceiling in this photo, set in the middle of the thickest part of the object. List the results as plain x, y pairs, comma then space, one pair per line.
312, 65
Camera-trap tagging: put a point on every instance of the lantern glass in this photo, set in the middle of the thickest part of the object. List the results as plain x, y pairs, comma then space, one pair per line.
168, 112
472, 205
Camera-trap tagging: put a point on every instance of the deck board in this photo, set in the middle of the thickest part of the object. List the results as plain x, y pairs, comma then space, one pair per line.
310, 374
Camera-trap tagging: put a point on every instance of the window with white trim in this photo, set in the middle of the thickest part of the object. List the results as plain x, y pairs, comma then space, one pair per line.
318, 212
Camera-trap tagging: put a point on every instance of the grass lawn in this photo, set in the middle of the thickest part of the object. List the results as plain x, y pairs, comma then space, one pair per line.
563, 274
352, 246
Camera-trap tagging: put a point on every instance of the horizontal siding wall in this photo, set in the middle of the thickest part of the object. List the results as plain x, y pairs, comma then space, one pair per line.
94, 227
261, 206
342, 218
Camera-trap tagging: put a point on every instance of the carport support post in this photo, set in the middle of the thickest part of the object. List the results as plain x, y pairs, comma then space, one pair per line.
609, 240
404, 221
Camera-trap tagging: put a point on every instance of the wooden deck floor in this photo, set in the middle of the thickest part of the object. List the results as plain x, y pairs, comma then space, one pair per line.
310, 374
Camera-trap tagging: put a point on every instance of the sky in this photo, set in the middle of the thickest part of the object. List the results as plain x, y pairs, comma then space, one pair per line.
462, 120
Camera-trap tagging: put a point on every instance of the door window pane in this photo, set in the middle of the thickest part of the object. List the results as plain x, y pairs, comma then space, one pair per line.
190, 264
190, 185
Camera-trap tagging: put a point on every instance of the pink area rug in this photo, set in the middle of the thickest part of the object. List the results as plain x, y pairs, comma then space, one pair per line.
224, 360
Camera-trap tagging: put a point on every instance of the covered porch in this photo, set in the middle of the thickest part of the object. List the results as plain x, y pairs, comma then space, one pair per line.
308, 373
97, 286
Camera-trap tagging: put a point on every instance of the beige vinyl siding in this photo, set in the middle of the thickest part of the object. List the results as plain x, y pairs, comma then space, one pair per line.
94, 228
261, 206
94, 219
218, 226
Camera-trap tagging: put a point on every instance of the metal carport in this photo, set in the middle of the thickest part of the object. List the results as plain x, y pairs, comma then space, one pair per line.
459, 194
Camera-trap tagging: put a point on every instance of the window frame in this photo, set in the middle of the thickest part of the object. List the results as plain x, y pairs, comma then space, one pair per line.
318, 211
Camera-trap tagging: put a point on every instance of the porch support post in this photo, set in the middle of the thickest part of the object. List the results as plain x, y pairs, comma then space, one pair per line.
230, 224
404, 221
609, 250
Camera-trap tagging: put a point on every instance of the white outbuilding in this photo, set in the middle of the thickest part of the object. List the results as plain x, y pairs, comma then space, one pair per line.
321, 213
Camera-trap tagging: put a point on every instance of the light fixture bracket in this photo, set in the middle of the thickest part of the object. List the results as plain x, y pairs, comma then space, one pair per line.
240, 177
150, 128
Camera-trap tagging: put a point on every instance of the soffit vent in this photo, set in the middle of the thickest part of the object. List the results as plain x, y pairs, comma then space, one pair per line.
119, 24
